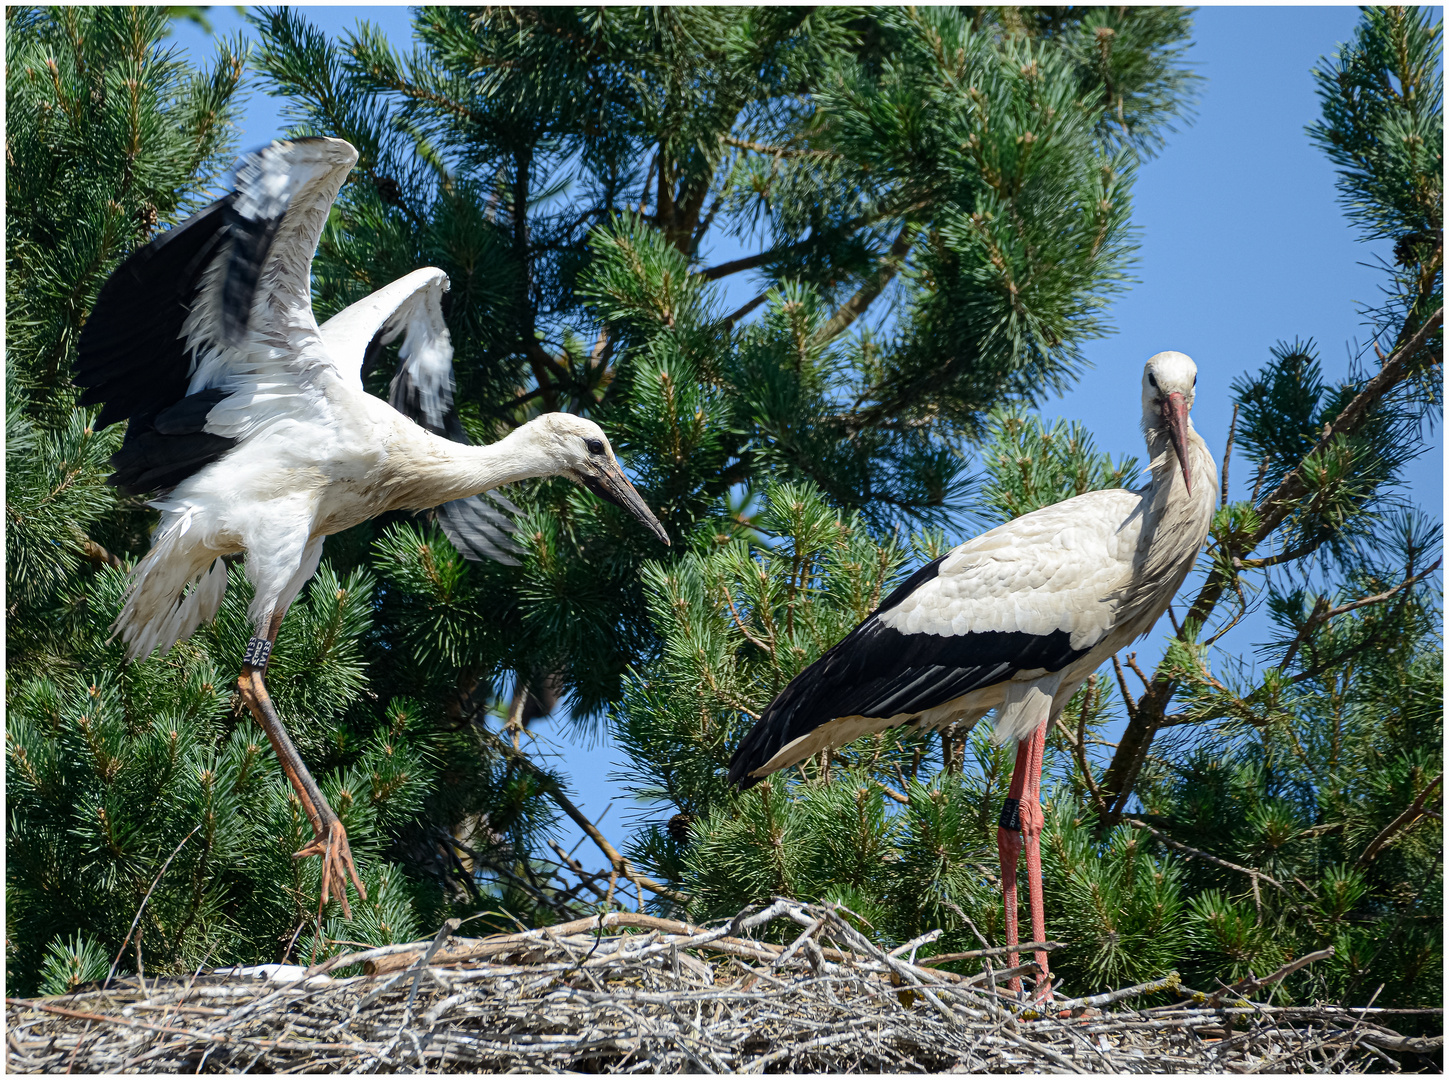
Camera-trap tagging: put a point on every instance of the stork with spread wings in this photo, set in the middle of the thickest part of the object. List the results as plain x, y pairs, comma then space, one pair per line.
250, 423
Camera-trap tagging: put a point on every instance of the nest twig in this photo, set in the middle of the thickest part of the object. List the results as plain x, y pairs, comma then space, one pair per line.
624, 992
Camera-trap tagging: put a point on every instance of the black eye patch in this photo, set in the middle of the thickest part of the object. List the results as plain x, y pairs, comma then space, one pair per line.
1152, 379
595, 446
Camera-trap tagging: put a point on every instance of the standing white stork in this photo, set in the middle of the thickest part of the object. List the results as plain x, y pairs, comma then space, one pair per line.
252, 423
1013, 620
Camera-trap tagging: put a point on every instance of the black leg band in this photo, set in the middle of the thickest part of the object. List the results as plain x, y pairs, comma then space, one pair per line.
1010, 815
259, 650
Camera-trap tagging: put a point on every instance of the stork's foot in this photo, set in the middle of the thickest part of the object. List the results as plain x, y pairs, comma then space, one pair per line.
331, 844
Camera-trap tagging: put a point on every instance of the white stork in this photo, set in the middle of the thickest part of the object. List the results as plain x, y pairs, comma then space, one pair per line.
1013, 620
251, 422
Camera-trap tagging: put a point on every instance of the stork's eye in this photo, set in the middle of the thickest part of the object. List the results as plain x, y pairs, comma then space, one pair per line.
1152, 379
596, 447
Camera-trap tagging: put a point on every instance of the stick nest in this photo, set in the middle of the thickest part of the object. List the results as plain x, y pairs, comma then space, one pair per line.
636, 994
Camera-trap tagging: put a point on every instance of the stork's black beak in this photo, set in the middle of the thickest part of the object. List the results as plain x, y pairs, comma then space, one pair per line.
611, 485
1174, 413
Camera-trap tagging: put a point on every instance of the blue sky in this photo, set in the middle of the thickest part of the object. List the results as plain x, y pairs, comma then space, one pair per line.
1242, 244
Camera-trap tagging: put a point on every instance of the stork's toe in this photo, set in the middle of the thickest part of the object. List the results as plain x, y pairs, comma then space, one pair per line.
336, 854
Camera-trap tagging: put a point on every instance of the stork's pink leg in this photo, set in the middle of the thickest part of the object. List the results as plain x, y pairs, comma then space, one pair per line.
1008, 846
331, 838
1021, 825
1033, 820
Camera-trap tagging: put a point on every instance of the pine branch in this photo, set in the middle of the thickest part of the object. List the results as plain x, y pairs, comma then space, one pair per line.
1127, 699
1412, 813
1291, 555
1077, 742
856, 306
1292, 488
1283, 500
1228, 457
1195, 853
780, 151
549, 372
551, 787
1252, 983
744, 309
892, 794
1322, 613
97, 555
748, 262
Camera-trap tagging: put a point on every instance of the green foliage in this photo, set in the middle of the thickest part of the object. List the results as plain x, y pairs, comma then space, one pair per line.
119, 777
1133, 58
1383, 101
106, 135
1030, 465
1119, 906
1313, 764
1383, 126
68, 964
1284, 410
53, 493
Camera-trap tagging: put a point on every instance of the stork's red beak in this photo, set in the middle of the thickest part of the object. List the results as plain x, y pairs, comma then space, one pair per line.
1174, 412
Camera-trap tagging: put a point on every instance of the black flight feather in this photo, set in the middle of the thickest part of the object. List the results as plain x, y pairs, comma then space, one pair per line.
163, 449
132, 356
251, 240
478, 529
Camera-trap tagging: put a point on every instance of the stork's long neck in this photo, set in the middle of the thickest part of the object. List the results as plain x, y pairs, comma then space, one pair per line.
1175, 522
1168, 492
433, 470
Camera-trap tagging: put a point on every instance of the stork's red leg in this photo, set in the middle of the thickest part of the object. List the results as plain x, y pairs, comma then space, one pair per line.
1008, 846
1033, 820
1021, 825
331, 837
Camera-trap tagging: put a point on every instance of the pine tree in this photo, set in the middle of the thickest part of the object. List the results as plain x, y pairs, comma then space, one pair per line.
136, 781
908, 166
1321, 766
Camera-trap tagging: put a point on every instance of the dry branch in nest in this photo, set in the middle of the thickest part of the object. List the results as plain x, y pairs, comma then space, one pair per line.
624, 992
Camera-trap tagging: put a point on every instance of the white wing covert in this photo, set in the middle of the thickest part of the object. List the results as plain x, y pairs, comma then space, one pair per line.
252, 330
1056, 569
480, 527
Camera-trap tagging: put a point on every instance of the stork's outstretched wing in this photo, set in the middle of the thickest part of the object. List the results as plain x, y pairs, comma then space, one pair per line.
207, 333
480, 527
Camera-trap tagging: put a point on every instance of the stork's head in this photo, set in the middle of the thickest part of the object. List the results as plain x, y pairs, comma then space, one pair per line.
579, 449
1167, 390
